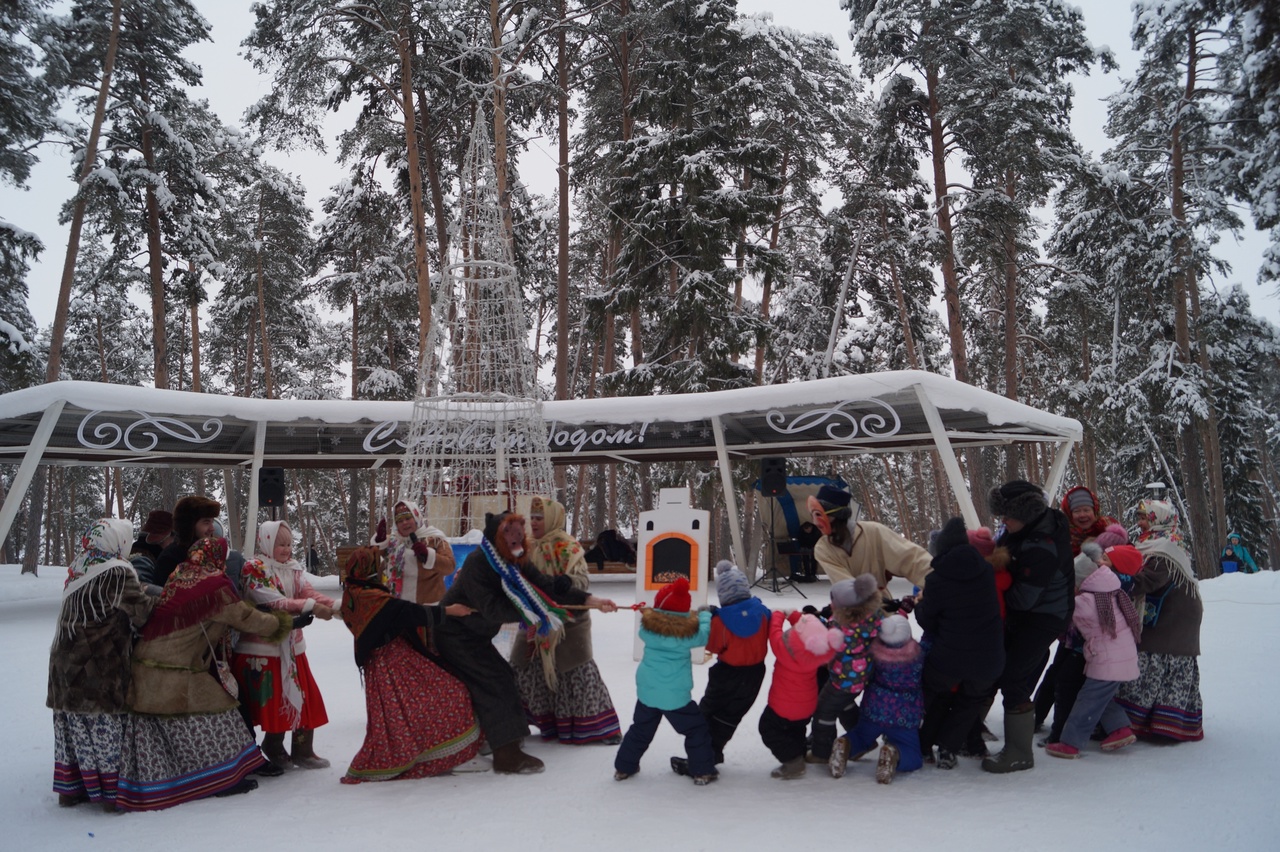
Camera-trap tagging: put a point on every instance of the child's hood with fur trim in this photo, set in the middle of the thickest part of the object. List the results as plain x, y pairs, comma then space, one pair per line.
675, 624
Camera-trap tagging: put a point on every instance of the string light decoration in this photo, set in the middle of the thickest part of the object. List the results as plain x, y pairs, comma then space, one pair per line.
478, 440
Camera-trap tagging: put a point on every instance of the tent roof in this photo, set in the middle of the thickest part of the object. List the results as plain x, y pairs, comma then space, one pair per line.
113, 425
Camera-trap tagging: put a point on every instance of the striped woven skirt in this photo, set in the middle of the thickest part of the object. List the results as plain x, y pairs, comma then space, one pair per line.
86, 754
168, 760
580, 711
1165, 699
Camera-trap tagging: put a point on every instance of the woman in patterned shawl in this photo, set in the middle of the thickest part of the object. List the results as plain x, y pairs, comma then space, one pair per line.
102, 603
420, 720
185, 738
569, 702
1164, 702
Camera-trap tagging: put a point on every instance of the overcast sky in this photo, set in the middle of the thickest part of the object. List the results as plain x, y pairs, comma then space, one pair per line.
231, 85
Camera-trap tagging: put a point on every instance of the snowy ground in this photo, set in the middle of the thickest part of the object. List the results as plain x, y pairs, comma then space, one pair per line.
1215, 794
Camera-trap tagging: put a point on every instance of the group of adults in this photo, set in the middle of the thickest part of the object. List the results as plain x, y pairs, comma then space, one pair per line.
1037, 547
145, 707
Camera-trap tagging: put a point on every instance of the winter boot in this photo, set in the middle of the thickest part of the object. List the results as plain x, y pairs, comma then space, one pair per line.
887, 766
839, 757
304, 756
790, 770
273, 750
1017, 753
509, 759
1069, 752
70, 800
1119, 739
704, 780
947, 759
680, 765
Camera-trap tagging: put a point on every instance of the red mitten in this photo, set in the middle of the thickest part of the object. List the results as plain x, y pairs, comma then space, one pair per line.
381, 535
907, 604
421, 550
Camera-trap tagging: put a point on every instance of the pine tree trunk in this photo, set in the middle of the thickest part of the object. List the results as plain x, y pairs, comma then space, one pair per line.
404, 47
501, 156
267, 381
1010, 315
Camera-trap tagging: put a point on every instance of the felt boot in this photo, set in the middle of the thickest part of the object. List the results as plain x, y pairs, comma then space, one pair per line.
1019, 728
792, 769
887, 765
509, 759
839, 757
273, 750
304, 757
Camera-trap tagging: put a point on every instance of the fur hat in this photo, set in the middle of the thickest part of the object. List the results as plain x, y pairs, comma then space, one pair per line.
1019, 500
673, 597
731, 583
1125, 558
982, 541
1114, 534
813, 635
895, 631
159, 522
189, 510
853, 591
952, 536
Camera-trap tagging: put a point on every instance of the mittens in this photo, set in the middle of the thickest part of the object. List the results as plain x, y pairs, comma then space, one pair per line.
381, 535
421, 550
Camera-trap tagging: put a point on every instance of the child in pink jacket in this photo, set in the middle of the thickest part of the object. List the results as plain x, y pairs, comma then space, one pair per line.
1106, 618
793, 694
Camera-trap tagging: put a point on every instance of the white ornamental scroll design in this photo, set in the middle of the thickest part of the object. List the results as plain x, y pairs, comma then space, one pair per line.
108, 435
842, 426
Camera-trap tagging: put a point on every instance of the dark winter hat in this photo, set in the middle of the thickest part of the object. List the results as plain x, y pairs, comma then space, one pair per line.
952, 536
731, 583
673, 597
854, 591
833, 498
1017, 499
491, 524
190, 509
895, 631
159, 522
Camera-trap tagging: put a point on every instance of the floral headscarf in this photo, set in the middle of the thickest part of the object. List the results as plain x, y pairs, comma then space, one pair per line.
196, 590
267, 535
1162, 519
98, 576
363, 594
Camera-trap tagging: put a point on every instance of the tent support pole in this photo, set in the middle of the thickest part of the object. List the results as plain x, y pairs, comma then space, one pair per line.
251, 521
948, 455
730, 498
27, 470
1058, 470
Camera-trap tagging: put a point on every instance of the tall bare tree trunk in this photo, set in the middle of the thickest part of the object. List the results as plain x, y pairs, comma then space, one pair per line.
501, 161
1011, 316
267, 379
53, 367
405, 49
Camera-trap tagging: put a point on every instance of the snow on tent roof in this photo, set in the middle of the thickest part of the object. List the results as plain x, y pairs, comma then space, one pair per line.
880, 412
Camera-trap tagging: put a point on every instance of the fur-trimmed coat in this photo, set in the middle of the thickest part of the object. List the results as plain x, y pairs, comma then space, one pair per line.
664, 678
894, 698
171, 674
89, 663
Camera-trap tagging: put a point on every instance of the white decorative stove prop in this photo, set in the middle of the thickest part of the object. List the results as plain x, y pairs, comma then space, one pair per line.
673, 542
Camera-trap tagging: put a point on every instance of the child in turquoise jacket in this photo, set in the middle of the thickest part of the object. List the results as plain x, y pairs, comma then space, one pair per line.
664, 685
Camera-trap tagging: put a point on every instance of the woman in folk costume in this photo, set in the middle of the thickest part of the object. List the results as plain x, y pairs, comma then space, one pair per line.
1165, 699
185, 738
419, 558
499, 583
280, 692
102, 603
419, 715
569, 701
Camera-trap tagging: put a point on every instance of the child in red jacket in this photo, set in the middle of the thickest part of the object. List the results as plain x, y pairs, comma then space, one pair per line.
793, 694
740, 638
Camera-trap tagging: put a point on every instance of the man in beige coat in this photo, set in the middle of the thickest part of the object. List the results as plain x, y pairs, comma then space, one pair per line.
851, 547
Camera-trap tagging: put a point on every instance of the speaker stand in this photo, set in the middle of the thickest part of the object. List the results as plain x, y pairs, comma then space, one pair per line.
769, 579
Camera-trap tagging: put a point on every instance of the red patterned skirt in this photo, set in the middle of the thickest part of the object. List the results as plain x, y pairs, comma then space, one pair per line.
260, 682
420, 719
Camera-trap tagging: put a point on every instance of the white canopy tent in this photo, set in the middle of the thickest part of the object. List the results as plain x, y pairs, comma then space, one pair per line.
88, 423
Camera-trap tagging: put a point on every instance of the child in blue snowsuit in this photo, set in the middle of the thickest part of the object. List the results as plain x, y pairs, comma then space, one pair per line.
893, 702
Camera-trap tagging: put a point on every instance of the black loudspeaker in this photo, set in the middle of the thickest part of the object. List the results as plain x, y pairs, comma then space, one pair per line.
271, 486
773, 476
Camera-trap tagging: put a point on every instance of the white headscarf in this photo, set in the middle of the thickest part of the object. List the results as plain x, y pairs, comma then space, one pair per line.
97, 576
